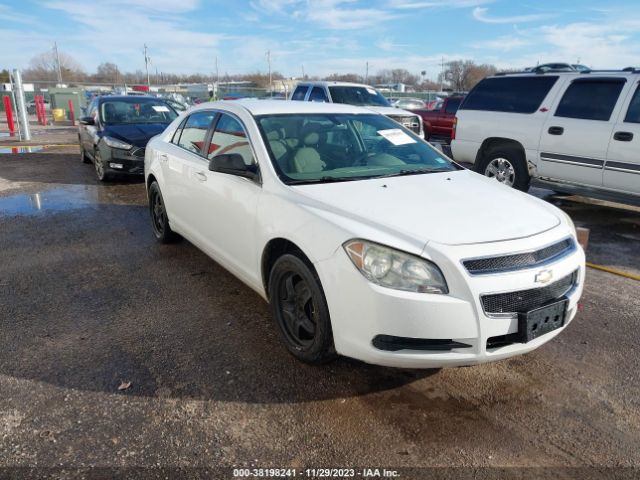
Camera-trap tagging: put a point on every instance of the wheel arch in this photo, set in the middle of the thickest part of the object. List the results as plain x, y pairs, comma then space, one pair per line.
274, 249
493, 143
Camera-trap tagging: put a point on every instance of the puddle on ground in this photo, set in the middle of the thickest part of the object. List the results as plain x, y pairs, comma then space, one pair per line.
60, 199
18, 150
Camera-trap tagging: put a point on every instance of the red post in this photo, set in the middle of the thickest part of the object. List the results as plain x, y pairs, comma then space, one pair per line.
39, 109
72, 116
43, 112
9, 112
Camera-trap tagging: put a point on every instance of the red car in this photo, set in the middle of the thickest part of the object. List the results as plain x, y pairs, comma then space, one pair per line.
438, 123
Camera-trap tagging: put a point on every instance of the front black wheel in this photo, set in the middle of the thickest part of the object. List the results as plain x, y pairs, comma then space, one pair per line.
159, 219
300, 310
101, 172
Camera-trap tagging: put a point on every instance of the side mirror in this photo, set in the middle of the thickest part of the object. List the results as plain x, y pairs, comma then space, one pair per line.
233, 164
87, 121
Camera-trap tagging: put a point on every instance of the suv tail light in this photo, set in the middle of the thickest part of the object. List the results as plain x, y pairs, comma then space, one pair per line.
453, 130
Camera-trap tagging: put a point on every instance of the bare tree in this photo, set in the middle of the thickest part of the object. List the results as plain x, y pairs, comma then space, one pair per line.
107, 72
463, 75
345, 77
44, 67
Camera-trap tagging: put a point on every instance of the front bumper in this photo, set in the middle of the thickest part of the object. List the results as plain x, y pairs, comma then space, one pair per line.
361, 311
124, 162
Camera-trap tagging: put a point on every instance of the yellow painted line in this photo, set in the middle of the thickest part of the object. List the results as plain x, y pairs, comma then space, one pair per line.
615, 271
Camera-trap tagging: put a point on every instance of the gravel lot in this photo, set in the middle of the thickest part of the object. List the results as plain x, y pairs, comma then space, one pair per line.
89, 302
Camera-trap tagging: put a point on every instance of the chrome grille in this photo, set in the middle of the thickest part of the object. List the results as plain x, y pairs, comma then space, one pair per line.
519, 261
525, 300
411, 122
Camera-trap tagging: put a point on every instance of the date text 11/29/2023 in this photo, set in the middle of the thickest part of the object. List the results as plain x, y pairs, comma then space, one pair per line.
315, 473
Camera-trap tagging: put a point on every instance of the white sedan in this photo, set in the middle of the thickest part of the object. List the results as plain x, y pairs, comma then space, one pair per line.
366, 241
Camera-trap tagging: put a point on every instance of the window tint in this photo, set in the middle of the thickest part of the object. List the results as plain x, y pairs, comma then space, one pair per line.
358, 96
590, 100
318, 95
194, 131
633, 114
299, 93
509, 94
230, 137
452, 105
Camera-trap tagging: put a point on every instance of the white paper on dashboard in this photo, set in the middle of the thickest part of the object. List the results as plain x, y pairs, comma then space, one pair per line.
160, 108
396, 136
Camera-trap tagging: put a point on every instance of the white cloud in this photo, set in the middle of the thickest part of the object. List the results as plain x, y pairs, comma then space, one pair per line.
505, 43
480, 14
408, 4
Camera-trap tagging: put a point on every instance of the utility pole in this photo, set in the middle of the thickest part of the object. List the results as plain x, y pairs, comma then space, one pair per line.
442, 75
366, 73
147, 60
302, 71
269, 62
58, 68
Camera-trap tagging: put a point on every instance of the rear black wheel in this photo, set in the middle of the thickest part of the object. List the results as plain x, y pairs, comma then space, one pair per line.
159, 220
507, 166
300, 310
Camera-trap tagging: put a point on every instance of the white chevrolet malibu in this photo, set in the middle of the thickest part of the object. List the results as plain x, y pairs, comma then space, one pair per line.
366, 241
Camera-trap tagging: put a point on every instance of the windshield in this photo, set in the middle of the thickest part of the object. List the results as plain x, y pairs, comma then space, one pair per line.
315, 148
122, 112
358, 96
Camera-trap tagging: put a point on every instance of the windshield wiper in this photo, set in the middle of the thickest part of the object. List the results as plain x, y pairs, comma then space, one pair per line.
418, 171
325, 179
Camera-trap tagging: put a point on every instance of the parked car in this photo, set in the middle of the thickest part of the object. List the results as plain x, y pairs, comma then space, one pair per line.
438, 123
114, 133
362, 236
358, 95
31, 106
409, 103
570, 132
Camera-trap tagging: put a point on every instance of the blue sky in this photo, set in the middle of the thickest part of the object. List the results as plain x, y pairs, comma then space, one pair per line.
321, 36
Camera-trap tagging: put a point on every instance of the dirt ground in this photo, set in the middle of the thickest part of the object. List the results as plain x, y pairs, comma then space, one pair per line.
89, 302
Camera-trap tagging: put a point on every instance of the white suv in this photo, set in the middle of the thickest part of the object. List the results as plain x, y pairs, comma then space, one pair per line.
359, 95
571, 132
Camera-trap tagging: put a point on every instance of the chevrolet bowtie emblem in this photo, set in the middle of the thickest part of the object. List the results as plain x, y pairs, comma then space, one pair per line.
544, 276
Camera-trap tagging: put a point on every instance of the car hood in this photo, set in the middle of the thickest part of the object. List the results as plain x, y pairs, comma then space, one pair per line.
135, 134
453, 208
391, 111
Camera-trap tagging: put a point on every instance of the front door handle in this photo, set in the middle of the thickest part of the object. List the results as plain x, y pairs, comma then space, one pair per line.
623, 136
200, 176
164, 157
556, 130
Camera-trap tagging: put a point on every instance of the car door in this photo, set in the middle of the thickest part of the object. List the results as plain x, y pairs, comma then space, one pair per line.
622, 170
182, 157
225, 204
575, 139
88, 133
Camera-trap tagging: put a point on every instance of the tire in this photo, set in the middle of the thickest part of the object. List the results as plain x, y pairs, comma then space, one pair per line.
83, 154
103, 176
507, 166
159, 218
300, 310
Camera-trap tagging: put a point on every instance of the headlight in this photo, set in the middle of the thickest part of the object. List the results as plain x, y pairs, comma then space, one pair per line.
570, 222
115, 143
392, 268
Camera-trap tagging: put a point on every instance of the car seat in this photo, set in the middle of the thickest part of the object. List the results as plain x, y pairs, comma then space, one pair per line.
306, 158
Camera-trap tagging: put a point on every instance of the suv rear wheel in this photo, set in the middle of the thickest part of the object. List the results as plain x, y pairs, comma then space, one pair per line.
507, 166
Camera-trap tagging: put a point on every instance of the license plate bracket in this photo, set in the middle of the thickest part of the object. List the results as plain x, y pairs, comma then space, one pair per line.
545, 319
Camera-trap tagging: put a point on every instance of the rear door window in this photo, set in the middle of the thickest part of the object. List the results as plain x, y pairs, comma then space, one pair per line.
299, 92
318, 95
195, 130
590, 99
509, 94
633, 113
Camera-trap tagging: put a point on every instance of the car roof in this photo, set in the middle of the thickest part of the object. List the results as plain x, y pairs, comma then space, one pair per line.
275, 107
326, 83
128, 98
588, 74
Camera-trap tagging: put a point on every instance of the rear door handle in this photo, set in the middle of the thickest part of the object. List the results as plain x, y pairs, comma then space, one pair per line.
623, 136
200, 176
556, 130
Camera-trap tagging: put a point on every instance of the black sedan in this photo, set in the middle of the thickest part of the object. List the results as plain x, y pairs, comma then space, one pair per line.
114, 133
